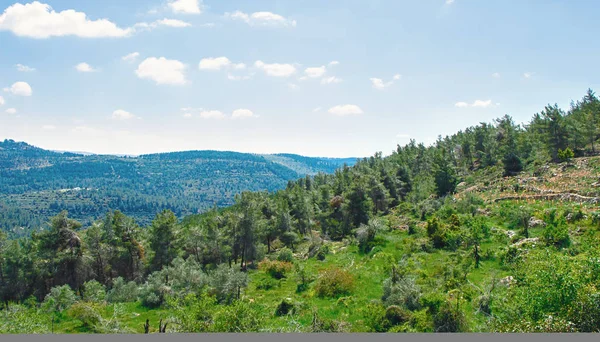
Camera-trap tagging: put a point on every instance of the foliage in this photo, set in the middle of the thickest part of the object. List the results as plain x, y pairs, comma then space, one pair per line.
334, 282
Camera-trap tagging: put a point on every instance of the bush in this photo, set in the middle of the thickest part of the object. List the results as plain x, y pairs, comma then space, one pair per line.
240, 317
267, 284
334, 283
60, 298
286, 306
557, 235
276, 269
375, 318
93, 291
286, 255
397, 315
449, 319
401, 292
87, 313
228, 282
585, 311
122, 291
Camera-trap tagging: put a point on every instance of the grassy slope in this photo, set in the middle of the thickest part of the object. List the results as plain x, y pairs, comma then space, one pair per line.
371, 269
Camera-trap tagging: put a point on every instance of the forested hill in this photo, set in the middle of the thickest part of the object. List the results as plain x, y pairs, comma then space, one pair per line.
36, 184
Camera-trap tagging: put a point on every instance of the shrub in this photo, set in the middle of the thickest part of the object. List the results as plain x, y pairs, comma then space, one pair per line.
93, 291
557, 235
267, 284
402, 292
227, 282
449, 319
375, 318
585, 311
276, 269
286, 255
285, 306
87, 313
334, 283
122, 291
289, 239
60, 298
397, 315
238, 317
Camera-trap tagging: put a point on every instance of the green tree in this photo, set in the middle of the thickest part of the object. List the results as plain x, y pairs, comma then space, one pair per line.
162, 240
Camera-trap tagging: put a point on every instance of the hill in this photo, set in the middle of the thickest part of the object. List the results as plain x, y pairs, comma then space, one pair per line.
492, 229
36, 184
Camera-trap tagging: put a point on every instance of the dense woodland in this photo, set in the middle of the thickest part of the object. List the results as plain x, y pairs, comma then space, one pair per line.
36, 184
401, 243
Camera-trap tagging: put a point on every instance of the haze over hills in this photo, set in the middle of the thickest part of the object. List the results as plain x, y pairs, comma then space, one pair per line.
36, 184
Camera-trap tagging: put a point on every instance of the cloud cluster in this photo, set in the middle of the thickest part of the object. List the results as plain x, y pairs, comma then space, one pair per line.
122, 115
378, 83
162, 71
475, 104
24, 68
345, 110
219, 63
241, 113
261, 19
186, 6
20, 89
84, 67
132, 57
276, 69
38, 20
319, 72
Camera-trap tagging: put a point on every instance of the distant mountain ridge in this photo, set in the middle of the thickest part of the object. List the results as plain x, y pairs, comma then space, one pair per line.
35, 183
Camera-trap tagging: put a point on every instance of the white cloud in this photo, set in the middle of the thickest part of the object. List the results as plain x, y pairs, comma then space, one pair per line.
186, 6
20, 89
332, 63
24, 68
261, 19
172, 23
449, 2
528, 74
482, 104
2, 101
476, 104
11, 111
315, 72
344, 110
331, 80
38, 20
212, 114
318, 109
84, 67
187, 115
242, 113
496, 75
378, 83
276, 70
121, 114
132, 57
48, 127
214, 63
162, 71
233, 77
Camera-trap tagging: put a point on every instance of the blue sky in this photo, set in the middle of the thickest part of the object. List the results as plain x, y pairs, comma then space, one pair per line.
320, 78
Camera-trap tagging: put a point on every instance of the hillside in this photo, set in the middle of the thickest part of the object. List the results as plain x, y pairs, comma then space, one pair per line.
36, 184
492, 229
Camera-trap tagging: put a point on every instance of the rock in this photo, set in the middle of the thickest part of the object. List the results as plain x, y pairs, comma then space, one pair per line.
507, 281
533, 222
483, 212
525, 241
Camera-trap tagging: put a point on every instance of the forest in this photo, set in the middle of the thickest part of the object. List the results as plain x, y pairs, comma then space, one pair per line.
36, 184
492, 229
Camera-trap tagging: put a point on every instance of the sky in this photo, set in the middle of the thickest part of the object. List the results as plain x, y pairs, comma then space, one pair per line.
336, 78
